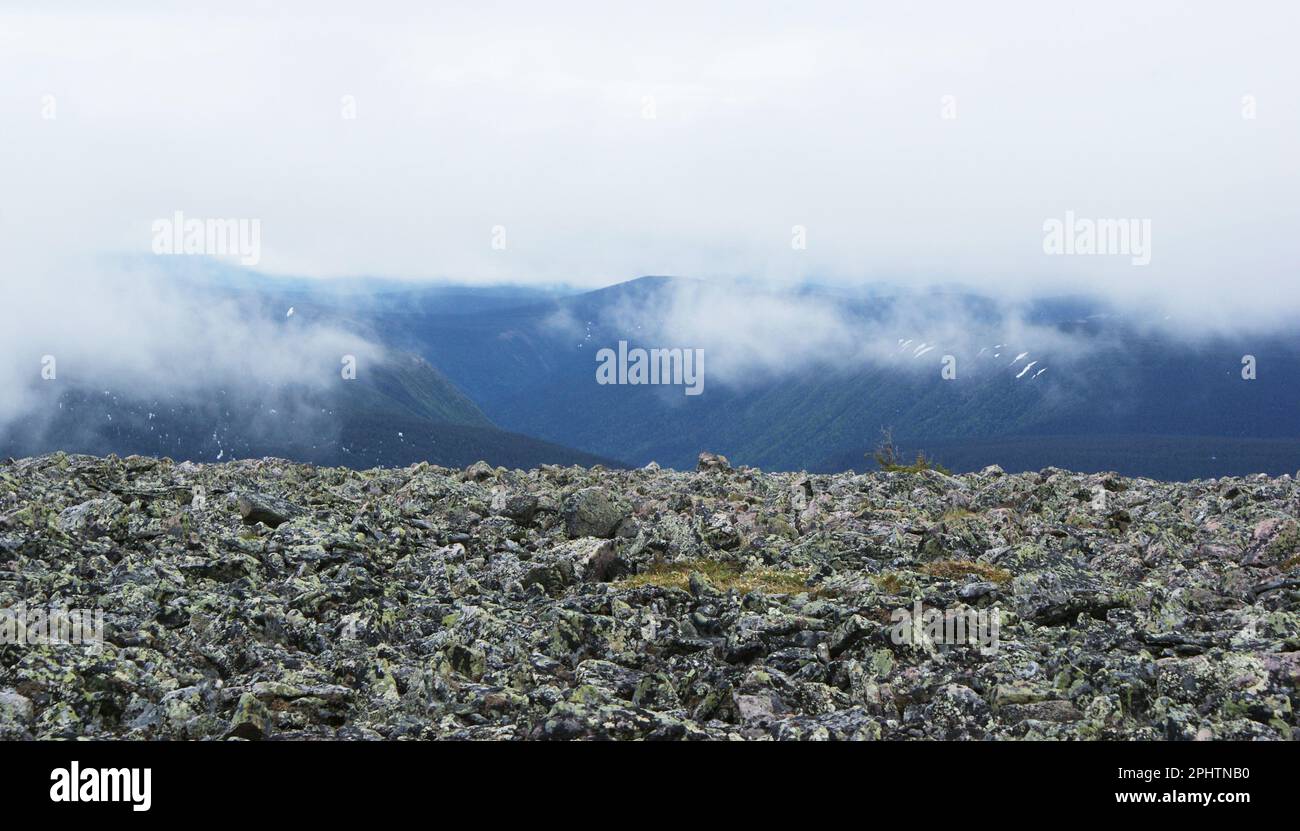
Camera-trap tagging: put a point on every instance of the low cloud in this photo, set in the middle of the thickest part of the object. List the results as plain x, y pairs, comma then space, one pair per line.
753, 333
137, 333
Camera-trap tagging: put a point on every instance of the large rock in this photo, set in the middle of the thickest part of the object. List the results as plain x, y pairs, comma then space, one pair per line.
593, 512
712, 463
94, 517
15, 716
521, 507
269, 510
252, 719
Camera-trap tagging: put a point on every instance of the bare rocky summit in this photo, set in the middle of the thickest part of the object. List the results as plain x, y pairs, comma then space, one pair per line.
267, 599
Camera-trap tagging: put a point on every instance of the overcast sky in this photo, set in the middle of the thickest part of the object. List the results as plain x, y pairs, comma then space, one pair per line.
534, 117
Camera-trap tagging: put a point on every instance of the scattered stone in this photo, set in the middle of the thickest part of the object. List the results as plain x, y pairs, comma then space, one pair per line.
480, 471
15, 716
712, 462
521, 507
268, 510
252, 719
563, 603
593, 512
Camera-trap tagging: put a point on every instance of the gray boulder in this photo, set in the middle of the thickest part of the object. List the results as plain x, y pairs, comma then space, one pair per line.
593, 512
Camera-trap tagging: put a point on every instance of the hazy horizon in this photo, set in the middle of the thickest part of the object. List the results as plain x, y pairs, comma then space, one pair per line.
1143, 158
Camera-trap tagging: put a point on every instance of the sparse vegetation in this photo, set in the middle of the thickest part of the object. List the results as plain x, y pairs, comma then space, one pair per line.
887, 457
953, 569
886, 453
725, 576
890, 582
1286, 542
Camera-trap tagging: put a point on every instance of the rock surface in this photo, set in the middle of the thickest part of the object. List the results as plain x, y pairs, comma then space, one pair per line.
270, 600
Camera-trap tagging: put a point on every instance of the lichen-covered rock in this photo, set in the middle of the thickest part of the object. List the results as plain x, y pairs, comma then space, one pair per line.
15, 716
263, 599
259, 507
593, 512
711, 462
521, 507
252, 719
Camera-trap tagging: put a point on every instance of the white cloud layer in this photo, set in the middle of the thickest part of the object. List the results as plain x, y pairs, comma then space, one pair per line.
532, 118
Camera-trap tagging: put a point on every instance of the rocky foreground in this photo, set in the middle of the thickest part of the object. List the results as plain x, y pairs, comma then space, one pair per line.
266, 599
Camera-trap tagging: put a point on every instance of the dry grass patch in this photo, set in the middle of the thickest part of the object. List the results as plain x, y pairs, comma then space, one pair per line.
725, 576
954, 569
890, 582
